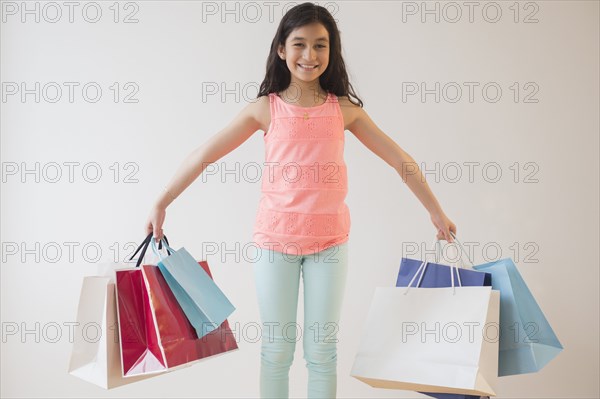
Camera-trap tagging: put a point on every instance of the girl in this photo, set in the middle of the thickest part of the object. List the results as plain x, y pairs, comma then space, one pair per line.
302, 224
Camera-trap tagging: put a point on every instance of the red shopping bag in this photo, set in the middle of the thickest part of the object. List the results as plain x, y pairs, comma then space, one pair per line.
138, 335
155, 335
177, 350
221, 339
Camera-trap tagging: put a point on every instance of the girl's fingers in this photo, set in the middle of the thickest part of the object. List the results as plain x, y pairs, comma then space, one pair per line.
158, 234
444, 235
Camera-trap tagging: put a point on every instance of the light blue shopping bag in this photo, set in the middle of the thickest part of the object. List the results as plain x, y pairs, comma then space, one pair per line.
527, 342
202, 301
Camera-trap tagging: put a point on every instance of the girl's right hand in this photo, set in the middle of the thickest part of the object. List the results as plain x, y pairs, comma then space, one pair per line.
155, 222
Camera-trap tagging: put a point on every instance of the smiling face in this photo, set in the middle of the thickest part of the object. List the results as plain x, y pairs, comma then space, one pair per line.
306, 53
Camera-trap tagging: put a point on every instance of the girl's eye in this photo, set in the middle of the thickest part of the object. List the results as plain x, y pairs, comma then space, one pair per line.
300, 44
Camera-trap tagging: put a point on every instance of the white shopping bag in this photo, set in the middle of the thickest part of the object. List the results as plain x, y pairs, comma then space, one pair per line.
96, 356
442, 340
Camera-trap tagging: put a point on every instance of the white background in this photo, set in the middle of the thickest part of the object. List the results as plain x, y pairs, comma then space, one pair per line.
548, 225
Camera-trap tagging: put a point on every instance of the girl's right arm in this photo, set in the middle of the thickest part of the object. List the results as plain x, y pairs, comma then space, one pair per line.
226, 140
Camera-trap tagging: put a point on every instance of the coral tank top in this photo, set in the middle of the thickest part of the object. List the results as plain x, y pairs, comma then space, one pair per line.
304, 181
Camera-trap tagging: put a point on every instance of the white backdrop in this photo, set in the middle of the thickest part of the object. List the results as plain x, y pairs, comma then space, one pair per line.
514, 164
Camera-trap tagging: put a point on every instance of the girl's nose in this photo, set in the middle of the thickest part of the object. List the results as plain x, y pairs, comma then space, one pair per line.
310, 54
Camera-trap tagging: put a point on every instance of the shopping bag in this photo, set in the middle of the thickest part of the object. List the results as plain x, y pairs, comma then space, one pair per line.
96, 355
138, 330
527, 341
141, 350
203, 302
156, 335
220, 340
180, 350
439, 340
438, 275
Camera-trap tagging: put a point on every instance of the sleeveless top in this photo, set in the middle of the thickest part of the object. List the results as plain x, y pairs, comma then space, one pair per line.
304, 181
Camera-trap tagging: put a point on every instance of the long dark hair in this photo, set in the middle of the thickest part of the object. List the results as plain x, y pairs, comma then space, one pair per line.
334, 79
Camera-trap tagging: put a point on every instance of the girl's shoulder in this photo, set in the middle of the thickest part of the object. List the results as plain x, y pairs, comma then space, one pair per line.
345, 101
348, 107
350, 111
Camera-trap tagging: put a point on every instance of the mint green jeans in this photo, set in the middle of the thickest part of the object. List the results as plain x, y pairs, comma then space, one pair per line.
277, 279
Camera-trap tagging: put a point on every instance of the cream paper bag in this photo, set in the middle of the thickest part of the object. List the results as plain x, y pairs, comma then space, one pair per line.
431, 339
96, 355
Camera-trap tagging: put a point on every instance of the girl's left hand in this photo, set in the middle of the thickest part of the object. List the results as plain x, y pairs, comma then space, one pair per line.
443, 225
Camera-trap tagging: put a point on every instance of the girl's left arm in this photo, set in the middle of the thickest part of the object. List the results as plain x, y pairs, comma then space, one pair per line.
367, 132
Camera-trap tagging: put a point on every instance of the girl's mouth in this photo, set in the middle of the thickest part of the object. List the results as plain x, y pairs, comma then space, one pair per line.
307, 67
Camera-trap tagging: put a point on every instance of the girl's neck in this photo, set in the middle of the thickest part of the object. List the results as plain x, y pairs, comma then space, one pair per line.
304, 94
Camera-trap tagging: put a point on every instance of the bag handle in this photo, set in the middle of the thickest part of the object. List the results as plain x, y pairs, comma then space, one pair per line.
144, 246
168, 248
438, 250
421, 272
438, 254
